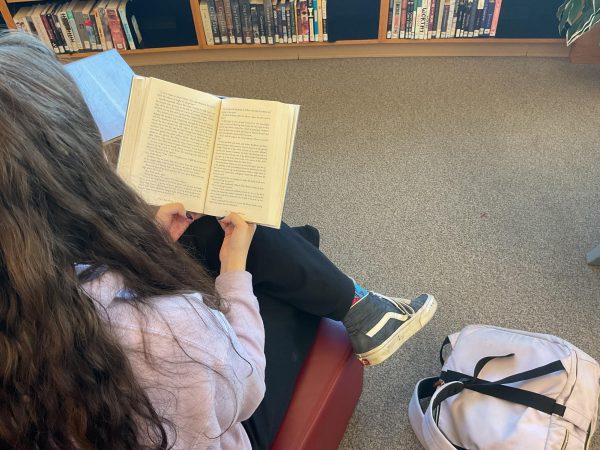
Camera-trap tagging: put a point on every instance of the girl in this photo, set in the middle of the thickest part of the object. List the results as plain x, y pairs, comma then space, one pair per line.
112, 335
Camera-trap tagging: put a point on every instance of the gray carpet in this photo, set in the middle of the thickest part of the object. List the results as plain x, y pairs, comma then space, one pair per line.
477, 180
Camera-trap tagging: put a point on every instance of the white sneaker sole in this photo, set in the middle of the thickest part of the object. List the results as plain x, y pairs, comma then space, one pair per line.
401, 335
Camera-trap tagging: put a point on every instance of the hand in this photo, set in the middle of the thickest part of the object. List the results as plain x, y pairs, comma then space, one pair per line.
175, 219
238, 236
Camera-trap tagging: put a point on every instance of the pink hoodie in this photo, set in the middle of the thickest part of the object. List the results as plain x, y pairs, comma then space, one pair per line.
206, 400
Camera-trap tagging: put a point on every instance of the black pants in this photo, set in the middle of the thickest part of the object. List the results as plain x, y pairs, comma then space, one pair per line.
295, 285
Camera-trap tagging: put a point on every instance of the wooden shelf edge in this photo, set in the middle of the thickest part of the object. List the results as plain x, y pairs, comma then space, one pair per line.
176, 55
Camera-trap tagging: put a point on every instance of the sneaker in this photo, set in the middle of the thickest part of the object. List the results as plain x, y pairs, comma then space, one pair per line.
379, 325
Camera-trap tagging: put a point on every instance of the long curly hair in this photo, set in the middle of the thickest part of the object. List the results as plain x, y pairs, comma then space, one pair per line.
65, 382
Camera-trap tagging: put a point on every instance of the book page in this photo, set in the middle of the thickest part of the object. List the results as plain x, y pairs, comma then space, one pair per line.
248, 162
173, 150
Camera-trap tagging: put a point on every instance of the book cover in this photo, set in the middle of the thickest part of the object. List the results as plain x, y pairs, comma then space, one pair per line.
49, 30
104, 21
56, 27
104, 80
478, 17
445, 15
483, 18
440, 18
409, 19
40, 27
214, 21
390, 20
90, 25
276, 25
305, 20
78, 16
454, 15
293, 21
461, 18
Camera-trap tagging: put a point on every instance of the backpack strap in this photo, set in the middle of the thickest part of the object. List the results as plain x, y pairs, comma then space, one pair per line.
498, 389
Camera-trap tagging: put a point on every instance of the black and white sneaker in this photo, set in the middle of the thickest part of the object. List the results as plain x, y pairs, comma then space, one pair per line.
379, 325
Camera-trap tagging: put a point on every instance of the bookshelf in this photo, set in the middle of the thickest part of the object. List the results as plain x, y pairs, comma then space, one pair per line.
377, 46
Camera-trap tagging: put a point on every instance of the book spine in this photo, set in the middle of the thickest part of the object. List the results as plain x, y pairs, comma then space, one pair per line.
293, 21
255, 30
57, 38
279, 20
409, 18
205, 16
288, 14
64, 27
275, 23
222, 21
483, 17
94, 29
116, 33
320, 12
60, 39
78, 42
396, 19
489, 17
285, 22
423, 19
80, 20
106, 29
324, 31
440, 18
311, 20
214, 21
229, 20
472, 17
49, 32
477, 21
316, 20
460, 18
238, 31
433, 11
390, 18
268, 10
246, 21
40, 28
454, 16
127, 29
495, 18
305, 20
262, 29
402, 26
415, 20
444, 30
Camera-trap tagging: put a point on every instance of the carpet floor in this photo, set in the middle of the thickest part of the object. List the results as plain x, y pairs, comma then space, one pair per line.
474, 179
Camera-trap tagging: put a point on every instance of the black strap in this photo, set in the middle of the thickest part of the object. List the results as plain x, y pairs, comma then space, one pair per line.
446, 342
498, 389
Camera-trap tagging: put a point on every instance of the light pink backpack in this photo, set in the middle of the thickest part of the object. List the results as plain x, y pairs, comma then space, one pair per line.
508, 389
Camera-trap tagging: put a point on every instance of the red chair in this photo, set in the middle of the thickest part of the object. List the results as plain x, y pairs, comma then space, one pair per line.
326, 393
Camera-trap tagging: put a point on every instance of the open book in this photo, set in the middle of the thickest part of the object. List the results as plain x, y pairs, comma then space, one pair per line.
213, 155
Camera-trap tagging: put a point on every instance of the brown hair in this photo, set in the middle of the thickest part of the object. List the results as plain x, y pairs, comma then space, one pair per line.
65, 382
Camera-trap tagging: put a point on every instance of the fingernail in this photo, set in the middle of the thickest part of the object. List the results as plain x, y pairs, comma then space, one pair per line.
189, 216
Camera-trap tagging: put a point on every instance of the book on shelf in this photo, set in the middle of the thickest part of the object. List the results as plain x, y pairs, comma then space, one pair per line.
441, 19
104, 80
215, 155
76, 26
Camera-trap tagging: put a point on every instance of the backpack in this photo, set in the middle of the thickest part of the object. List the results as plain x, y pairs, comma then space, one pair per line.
508, 389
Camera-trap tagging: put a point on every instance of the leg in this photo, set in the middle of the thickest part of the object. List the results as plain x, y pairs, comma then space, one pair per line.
283, 264
289, 334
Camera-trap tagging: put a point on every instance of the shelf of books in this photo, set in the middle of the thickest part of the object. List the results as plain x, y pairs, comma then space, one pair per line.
156, 32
